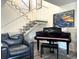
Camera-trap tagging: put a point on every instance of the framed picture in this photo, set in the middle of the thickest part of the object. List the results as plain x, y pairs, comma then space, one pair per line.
64, 19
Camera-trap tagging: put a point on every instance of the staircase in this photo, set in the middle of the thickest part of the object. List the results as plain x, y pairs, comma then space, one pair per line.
32, 25
24, 8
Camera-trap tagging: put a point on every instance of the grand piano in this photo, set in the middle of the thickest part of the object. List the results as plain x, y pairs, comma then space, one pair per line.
53, 34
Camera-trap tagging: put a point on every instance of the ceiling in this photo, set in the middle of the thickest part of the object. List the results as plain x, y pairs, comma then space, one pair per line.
60, 2
56, 2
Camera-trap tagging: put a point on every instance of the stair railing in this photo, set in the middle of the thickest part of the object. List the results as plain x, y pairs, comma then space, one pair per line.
21, 10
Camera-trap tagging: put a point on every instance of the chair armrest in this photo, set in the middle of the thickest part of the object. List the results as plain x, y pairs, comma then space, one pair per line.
4, 53
3, 44
31, 46
32, 49
28, 43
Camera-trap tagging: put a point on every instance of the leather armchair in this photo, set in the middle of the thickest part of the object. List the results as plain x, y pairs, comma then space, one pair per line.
16, 47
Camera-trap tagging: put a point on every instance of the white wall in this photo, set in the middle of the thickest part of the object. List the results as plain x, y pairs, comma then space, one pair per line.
11, 16
69, 6
12, 20
72, 30
47, 11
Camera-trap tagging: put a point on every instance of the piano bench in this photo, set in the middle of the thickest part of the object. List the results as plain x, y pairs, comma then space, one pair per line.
47, 45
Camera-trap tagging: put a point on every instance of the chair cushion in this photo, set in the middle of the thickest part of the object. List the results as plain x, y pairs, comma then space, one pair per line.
18, 50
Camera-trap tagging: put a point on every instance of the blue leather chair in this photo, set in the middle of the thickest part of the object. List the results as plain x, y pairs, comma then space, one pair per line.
16, 47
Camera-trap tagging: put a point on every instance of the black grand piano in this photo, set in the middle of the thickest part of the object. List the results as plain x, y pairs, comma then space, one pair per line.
53, 34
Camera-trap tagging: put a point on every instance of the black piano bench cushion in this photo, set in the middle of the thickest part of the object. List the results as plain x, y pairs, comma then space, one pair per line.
47, 45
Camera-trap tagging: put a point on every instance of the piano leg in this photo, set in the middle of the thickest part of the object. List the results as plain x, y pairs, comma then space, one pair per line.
51, 50
38, 45
67, 48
